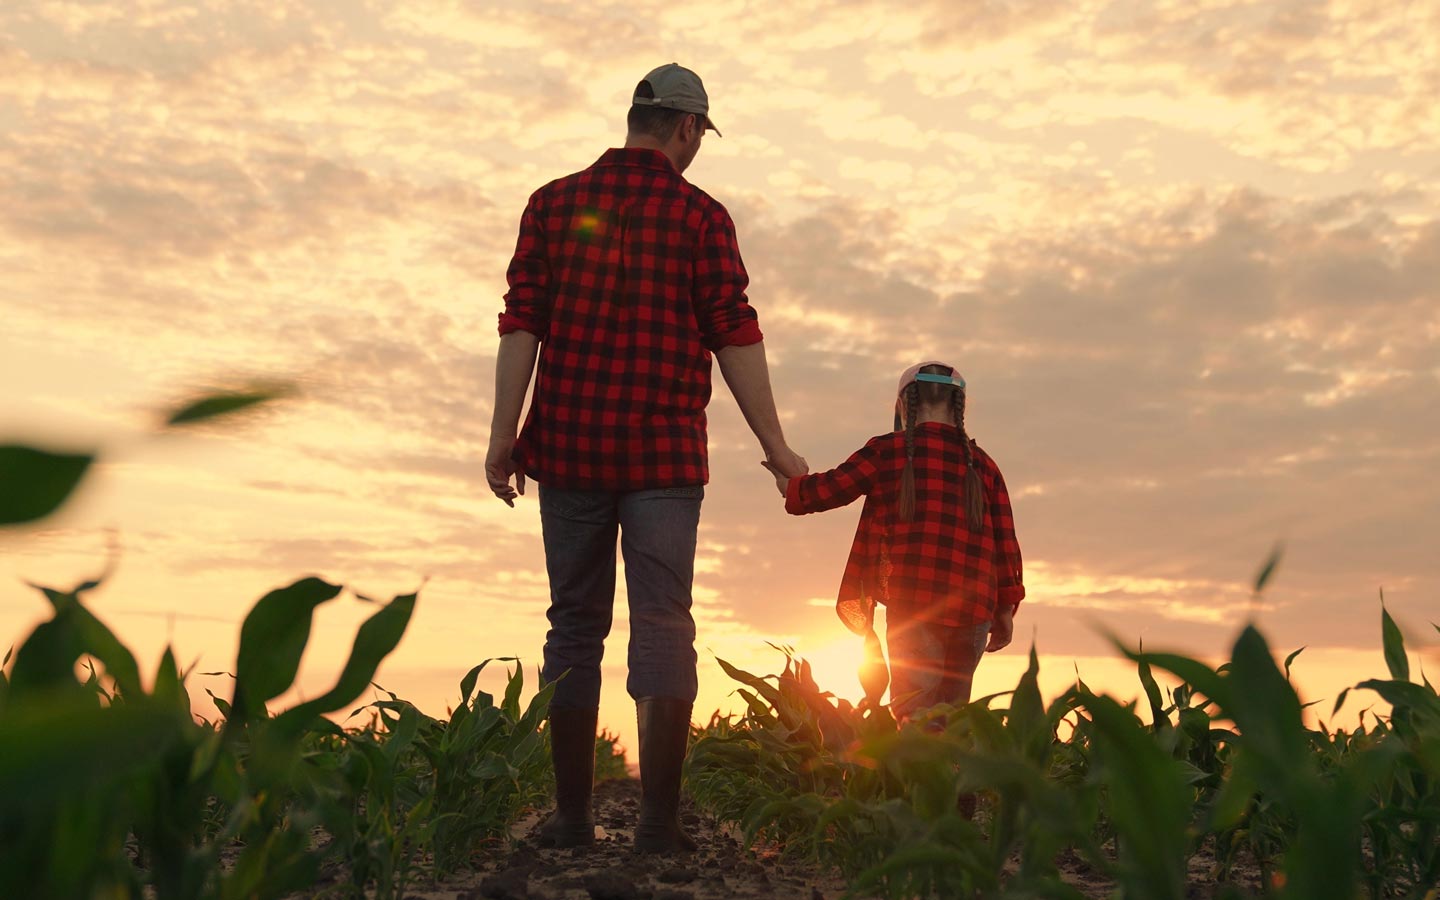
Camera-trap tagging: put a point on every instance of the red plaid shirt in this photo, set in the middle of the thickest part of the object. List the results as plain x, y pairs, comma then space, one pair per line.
934, 566
630, 276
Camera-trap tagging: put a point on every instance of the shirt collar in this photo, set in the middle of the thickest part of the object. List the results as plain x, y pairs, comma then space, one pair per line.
642, 157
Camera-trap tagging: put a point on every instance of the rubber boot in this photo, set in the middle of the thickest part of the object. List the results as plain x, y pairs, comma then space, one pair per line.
664, 731
572, 750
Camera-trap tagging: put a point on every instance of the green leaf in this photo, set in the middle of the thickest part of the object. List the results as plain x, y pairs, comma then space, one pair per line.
467, 684
379, 635
1405, 695
1290, 659
516, 683
1158, 719
1209, 682
760, 685
1395, 658
1027, 718
223, 403
272, 639
34, 483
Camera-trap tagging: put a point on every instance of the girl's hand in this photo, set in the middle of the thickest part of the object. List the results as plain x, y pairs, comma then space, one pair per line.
781, 481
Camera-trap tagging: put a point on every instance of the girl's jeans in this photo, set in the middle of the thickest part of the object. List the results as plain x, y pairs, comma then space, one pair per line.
657, 530
931, 664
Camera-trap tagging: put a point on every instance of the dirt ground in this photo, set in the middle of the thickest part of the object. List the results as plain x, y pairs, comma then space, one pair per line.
720, 870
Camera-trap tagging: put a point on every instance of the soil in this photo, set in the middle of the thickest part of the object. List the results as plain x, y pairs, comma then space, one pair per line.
720, 870
612, 870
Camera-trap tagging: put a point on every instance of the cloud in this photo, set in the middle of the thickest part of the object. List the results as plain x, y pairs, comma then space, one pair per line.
1186, 256
1168, 396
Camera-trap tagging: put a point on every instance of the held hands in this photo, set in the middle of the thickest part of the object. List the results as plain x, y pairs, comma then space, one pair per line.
499, 467
785, 464
1002, 629
781, 481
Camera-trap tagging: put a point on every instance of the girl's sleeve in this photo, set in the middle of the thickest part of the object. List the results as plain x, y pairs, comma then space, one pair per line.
837, 487
1009, 576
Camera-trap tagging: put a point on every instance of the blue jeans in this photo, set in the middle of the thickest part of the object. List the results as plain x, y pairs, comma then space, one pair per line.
931, 663
657, 530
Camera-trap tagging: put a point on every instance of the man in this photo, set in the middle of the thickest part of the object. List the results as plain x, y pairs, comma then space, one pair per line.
625, 279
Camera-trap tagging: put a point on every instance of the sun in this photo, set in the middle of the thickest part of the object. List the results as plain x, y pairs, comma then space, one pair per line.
835, 663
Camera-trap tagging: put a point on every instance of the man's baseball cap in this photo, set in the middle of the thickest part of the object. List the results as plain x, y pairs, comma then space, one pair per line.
914, 374
676, 87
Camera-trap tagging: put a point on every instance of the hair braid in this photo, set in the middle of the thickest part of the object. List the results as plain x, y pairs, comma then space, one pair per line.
907, 479
974, 488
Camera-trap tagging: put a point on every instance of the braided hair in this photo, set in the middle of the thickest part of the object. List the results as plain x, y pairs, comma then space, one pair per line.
974, 508
911, 398
974, 489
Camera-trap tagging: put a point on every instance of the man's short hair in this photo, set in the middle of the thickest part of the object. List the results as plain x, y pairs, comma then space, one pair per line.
658, 122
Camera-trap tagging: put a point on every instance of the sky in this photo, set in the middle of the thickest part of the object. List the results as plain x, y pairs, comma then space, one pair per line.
1186, 254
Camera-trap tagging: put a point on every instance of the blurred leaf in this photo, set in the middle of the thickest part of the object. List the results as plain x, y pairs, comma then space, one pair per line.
45, 662
1233, 798
1339, 702
100, 642
169, 686
65, 747
1267, 709
34, 483
1267, 570
272, 640
224, 403
1150, 801
1395, 659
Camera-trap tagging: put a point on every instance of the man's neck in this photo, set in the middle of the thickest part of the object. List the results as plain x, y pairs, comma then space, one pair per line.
646, 142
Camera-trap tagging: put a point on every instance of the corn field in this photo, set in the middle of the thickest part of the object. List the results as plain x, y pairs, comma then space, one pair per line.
1225, 765
112, 789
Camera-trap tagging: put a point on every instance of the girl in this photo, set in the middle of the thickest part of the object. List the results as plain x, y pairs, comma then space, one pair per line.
936, 543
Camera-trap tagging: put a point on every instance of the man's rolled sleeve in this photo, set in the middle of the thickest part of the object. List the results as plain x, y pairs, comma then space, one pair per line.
725, 316
527, 303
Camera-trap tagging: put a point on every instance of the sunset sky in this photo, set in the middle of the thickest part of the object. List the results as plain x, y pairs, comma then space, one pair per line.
1187, 255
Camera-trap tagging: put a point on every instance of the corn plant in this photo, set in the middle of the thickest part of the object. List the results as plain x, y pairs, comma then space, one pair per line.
1227, 762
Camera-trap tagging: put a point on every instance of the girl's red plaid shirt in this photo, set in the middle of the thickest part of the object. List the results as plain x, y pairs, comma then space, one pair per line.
631, 277
934, 566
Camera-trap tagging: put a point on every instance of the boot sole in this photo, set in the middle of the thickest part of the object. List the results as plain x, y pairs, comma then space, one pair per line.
663, 843
565, 838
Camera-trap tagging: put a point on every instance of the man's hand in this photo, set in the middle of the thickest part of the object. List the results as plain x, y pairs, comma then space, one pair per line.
1001, 630
787, 462
499, 467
